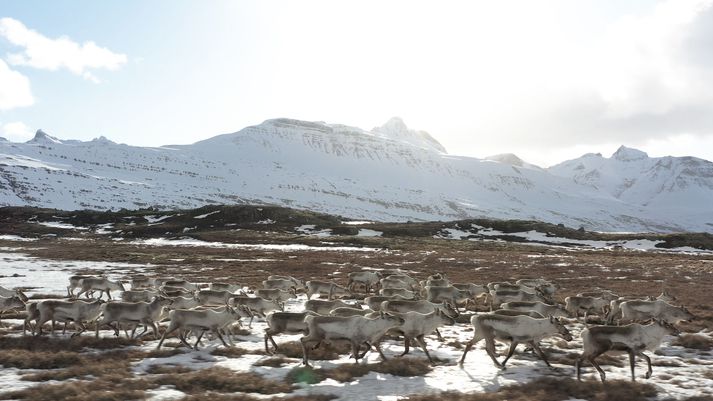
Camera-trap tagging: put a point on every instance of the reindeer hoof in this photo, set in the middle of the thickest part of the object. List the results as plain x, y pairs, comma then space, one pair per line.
648, 375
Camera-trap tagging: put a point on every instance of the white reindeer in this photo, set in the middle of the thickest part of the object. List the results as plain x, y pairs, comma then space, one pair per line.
540, 307
357, 330
326, 288
200, 320
574, 305
78, 312
103, 285
370, 280
516, 330
417, 325
633, 338
633, 311
285, 322
146, 313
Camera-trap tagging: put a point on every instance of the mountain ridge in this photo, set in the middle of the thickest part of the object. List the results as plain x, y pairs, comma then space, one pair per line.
391, 173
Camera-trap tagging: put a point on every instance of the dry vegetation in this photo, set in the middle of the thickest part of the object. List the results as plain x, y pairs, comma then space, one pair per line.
105, 363
553, 389
348, 372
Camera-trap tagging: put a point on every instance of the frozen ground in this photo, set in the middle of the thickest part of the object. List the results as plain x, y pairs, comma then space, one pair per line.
678, 372
477, 233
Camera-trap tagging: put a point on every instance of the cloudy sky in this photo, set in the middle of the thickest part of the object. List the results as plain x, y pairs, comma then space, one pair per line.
547, 80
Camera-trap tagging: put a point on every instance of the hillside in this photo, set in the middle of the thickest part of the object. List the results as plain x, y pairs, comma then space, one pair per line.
391, 173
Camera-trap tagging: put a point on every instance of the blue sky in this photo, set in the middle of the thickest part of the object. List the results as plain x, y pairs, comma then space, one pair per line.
546, 80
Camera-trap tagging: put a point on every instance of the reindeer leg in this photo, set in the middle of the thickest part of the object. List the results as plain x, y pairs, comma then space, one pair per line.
217, 332
407, 343
468, 346
378, 349
163, 337
355, 351
632, 362
440, 337
422, 342
648, 363
513, 345
305, 352
578, 366
490, 349
267, 350
540, 353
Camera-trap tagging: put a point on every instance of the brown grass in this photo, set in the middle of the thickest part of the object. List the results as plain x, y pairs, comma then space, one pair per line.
274, 362
167, 369
222, 380
245, 397
23, 359
105, 389
331, 351
347, 372
694, 341
230, 352
554, 389
32, 343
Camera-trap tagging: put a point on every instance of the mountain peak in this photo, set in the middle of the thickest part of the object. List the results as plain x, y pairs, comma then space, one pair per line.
43, 137
511, 159
629, 154
396, 129
102, 140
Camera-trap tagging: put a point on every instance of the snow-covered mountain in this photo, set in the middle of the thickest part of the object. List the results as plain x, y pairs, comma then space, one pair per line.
390, 173
678, 188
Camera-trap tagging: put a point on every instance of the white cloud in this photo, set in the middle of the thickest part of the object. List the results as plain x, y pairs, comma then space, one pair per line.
16, 132
53, 54
14, 89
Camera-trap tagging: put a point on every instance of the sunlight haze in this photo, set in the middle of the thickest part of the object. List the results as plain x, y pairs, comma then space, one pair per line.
547, 81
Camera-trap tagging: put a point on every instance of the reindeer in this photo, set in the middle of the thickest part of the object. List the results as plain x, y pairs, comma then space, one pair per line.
322, 307
603, 294
513, 312
100, 284
540, 307
138, 295
214, 297
370, 280
257, 306
417, 325
200, 320
233, 288
184, 303
147, 313
474, 290
186, 285
374, 301
498, 297
279, 296
297, 283
63, 311
633, 338
588, 305
326, 288
345, 311
357, 330
516, 330
74, 282
6, 293
285, 322
402, 292
547, 287
644, 310
448, 294
422, 306
10, 303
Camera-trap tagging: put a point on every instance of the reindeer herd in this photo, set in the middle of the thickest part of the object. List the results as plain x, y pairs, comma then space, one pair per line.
372, 306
